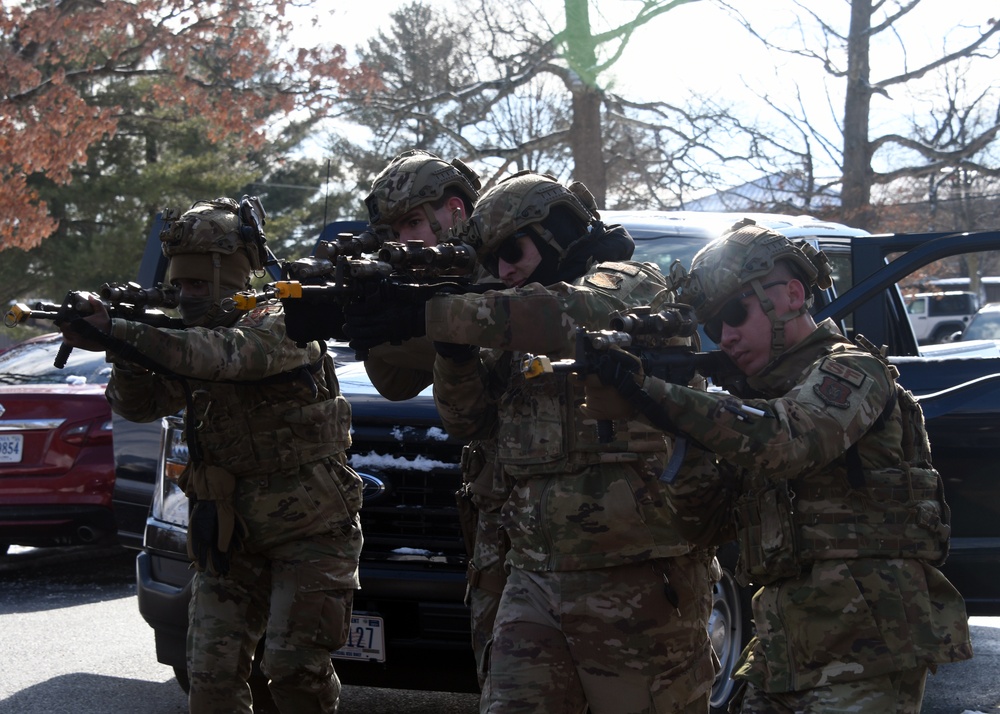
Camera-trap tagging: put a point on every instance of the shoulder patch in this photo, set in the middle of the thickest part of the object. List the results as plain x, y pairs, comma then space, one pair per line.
256, 316
606, 281
842, 372
627, 268
834, 392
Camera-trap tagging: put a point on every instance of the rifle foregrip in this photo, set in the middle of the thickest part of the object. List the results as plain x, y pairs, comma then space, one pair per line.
62, 355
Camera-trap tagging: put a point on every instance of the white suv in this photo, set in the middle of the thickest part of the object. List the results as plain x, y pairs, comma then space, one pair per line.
937, 316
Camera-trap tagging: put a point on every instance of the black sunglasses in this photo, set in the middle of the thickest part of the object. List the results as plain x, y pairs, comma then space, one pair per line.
510, 252
733, 313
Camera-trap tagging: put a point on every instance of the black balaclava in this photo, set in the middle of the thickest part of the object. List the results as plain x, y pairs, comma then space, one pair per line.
580, 245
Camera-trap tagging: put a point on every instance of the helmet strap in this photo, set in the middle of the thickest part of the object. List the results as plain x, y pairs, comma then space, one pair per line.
439, 232
778, 322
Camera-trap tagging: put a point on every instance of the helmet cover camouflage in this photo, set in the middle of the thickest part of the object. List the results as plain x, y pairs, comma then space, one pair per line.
521, 200
207, 227
747, 252
414, 178
220, 242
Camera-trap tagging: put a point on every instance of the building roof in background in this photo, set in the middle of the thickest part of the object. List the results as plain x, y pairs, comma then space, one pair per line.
779, 189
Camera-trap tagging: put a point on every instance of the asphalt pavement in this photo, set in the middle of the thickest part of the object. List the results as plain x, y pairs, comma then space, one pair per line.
72, 640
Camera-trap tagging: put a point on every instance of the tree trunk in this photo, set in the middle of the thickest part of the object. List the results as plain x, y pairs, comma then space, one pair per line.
586, 142
586, 138
857, 182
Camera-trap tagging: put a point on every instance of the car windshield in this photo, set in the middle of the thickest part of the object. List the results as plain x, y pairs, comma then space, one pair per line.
664, 250
32, 363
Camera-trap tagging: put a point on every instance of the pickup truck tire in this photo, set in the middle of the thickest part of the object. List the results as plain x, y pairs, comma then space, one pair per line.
945, 330
730, 627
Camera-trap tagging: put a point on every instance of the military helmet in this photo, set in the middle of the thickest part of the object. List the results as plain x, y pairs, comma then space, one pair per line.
220, 242
414, 178
220, 225
747, 252
521, 200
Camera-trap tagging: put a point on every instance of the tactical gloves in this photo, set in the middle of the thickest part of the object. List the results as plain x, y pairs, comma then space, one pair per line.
211, 538
313, 317
215, 529
619, 369
373, 323
609, 389
455, 352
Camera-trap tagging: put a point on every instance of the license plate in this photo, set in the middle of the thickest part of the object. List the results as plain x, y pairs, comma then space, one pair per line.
11, 448
365, 641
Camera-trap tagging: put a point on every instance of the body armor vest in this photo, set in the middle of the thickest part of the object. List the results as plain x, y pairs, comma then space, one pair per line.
848, 511
260, 427
542, 430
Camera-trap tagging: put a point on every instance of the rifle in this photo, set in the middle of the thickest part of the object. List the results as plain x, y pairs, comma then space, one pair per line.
361, 269
647, 335
128, 301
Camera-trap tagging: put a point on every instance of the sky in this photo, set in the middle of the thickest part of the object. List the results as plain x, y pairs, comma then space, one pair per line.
695, 48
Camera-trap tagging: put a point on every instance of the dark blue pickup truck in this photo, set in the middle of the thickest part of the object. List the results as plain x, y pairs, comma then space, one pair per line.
412, 569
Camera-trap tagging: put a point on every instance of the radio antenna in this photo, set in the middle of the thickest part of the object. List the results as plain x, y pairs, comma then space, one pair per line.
326, 199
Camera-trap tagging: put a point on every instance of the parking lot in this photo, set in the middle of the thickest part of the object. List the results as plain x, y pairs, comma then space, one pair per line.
72, 640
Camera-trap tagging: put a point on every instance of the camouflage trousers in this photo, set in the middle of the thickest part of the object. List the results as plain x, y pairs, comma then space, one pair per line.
609, 640
299, 596
486, 579
893, 693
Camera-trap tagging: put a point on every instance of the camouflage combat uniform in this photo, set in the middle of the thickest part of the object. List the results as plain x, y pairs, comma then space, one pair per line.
401, 372
270, 416
606, 604
840, 518
418, 179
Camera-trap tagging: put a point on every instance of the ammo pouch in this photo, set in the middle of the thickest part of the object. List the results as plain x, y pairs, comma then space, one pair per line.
898, 514
543, 431
277, 437
767, 539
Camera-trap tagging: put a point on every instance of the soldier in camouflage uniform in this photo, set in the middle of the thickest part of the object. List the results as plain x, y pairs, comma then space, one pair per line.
274, 530
824, 476
419, 196
605, 604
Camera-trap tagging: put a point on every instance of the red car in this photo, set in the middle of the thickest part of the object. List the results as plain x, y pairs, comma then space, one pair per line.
57, 465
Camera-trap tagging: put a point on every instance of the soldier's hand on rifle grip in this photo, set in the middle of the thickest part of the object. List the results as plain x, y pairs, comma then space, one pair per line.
620, 369
616, 377
368, 325
99, 319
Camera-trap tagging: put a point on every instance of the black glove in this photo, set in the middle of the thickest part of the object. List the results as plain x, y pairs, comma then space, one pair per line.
373, 323
455, 352
203, 537
309, 318
619, 369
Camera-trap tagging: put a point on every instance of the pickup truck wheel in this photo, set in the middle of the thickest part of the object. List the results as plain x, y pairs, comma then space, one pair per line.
730, 627
943, 332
